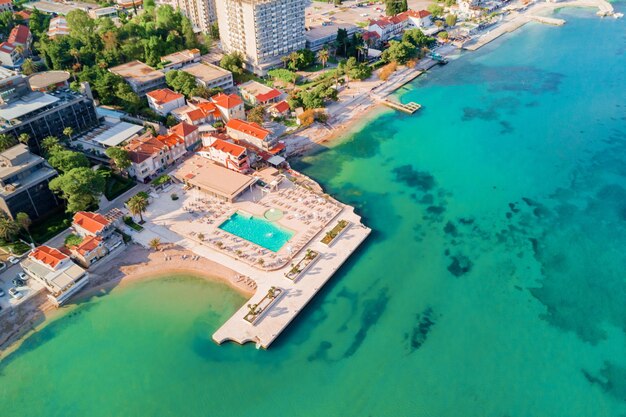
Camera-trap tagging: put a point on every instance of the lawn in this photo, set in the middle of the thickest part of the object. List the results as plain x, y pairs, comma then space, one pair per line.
131, 223
46, 228
116, 185
16, 248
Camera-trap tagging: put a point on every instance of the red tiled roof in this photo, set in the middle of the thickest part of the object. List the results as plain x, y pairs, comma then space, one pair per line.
92, 222
229, 148
249, 128
195, 114
420, 14
281, 106
208, 108
170, 140
24, 14
183, 129
164, 95
47, 255
144, 147
370, 35
6, 1
88, 244
270, 95
227, 101
277, 148
19, 34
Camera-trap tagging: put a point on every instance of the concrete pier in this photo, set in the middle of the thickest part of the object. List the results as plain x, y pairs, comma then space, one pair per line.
296, 294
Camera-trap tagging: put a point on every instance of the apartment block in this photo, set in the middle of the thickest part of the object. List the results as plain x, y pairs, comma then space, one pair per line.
263, 31
201, 13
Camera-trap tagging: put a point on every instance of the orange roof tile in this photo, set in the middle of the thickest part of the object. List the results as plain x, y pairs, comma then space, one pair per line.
270, 95
170, 140
249, 128
144, 147
19, 34
229, 148
281, 106
227, 101
164, 95
92, 222
183, 129
47, 255
196, 114
88, 244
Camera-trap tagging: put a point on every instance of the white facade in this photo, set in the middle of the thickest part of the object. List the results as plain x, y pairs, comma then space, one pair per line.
263, 31
201, 13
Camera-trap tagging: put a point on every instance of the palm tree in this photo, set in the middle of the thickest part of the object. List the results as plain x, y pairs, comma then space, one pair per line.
137, 205
29, 67
8, 229
19, 49
361, 51
293, 60
24, 138
323, 56
49, 143
155, 243
6, 142
285, 60
68, 131
74, 52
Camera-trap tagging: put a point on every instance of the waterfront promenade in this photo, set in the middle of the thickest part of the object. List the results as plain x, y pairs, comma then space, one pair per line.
175, 225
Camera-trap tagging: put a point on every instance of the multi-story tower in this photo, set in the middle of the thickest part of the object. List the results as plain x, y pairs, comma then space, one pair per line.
200, 12
263, 31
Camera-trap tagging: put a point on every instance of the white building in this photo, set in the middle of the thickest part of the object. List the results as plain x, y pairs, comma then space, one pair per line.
230, 106
201, 13
251, 133
263, 31
56, 271
149, 157
209, 75
163, 101
225, 153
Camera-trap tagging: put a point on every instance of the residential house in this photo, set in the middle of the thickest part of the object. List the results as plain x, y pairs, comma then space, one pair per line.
141, 77
250, 132
90, 250
163, 101
230, 106
20, 36
175, 144
100, 12
10, 56
189, 133
420, 18
148, 156
86, 223
179, 59
24, 15
6, 6
280, 109
56, 271
200, 112
209, 75
58, 27
225, 153
256, 93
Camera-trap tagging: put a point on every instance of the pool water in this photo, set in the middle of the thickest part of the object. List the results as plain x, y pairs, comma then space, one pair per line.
257, 230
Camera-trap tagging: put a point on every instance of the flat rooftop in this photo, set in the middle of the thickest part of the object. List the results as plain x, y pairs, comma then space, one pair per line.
322, 32
208, 176
117, 133
26, 104
59, 280
181, 56
137, 71
59, 8
206, 72
44, 79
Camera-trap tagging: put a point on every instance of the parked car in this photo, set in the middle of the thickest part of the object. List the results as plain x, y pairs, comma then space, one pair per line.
17, 282
14, 260
22, 276
14, 292
1, 292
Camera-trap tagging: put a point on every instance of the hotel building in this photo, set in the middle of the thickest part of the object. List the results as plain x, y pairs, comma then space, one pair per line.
263, 31
56, 271
201, 13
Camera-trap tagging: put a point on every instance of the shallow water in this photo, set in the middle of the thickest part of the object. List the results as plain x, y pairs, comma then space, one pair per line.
492, 284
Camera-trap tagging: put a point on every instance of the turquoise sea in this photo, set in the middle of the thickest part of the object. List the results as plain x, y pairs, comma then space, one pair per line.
493, 283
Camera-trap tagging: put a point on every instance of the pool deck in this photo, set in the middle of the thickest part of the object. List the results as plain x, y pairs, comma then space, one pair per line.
167, 220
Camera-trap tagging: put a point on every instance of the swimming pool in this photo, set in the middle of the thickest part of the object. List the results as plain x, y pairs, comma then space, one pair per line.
257, 230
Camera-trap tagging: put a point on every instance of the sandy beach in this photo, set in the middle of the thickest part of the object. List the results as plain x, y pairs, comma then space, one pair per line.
134, 264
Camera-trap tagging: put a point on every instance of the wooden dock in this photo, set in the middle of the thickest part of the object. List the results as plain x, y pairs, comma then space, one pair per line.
409, 108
